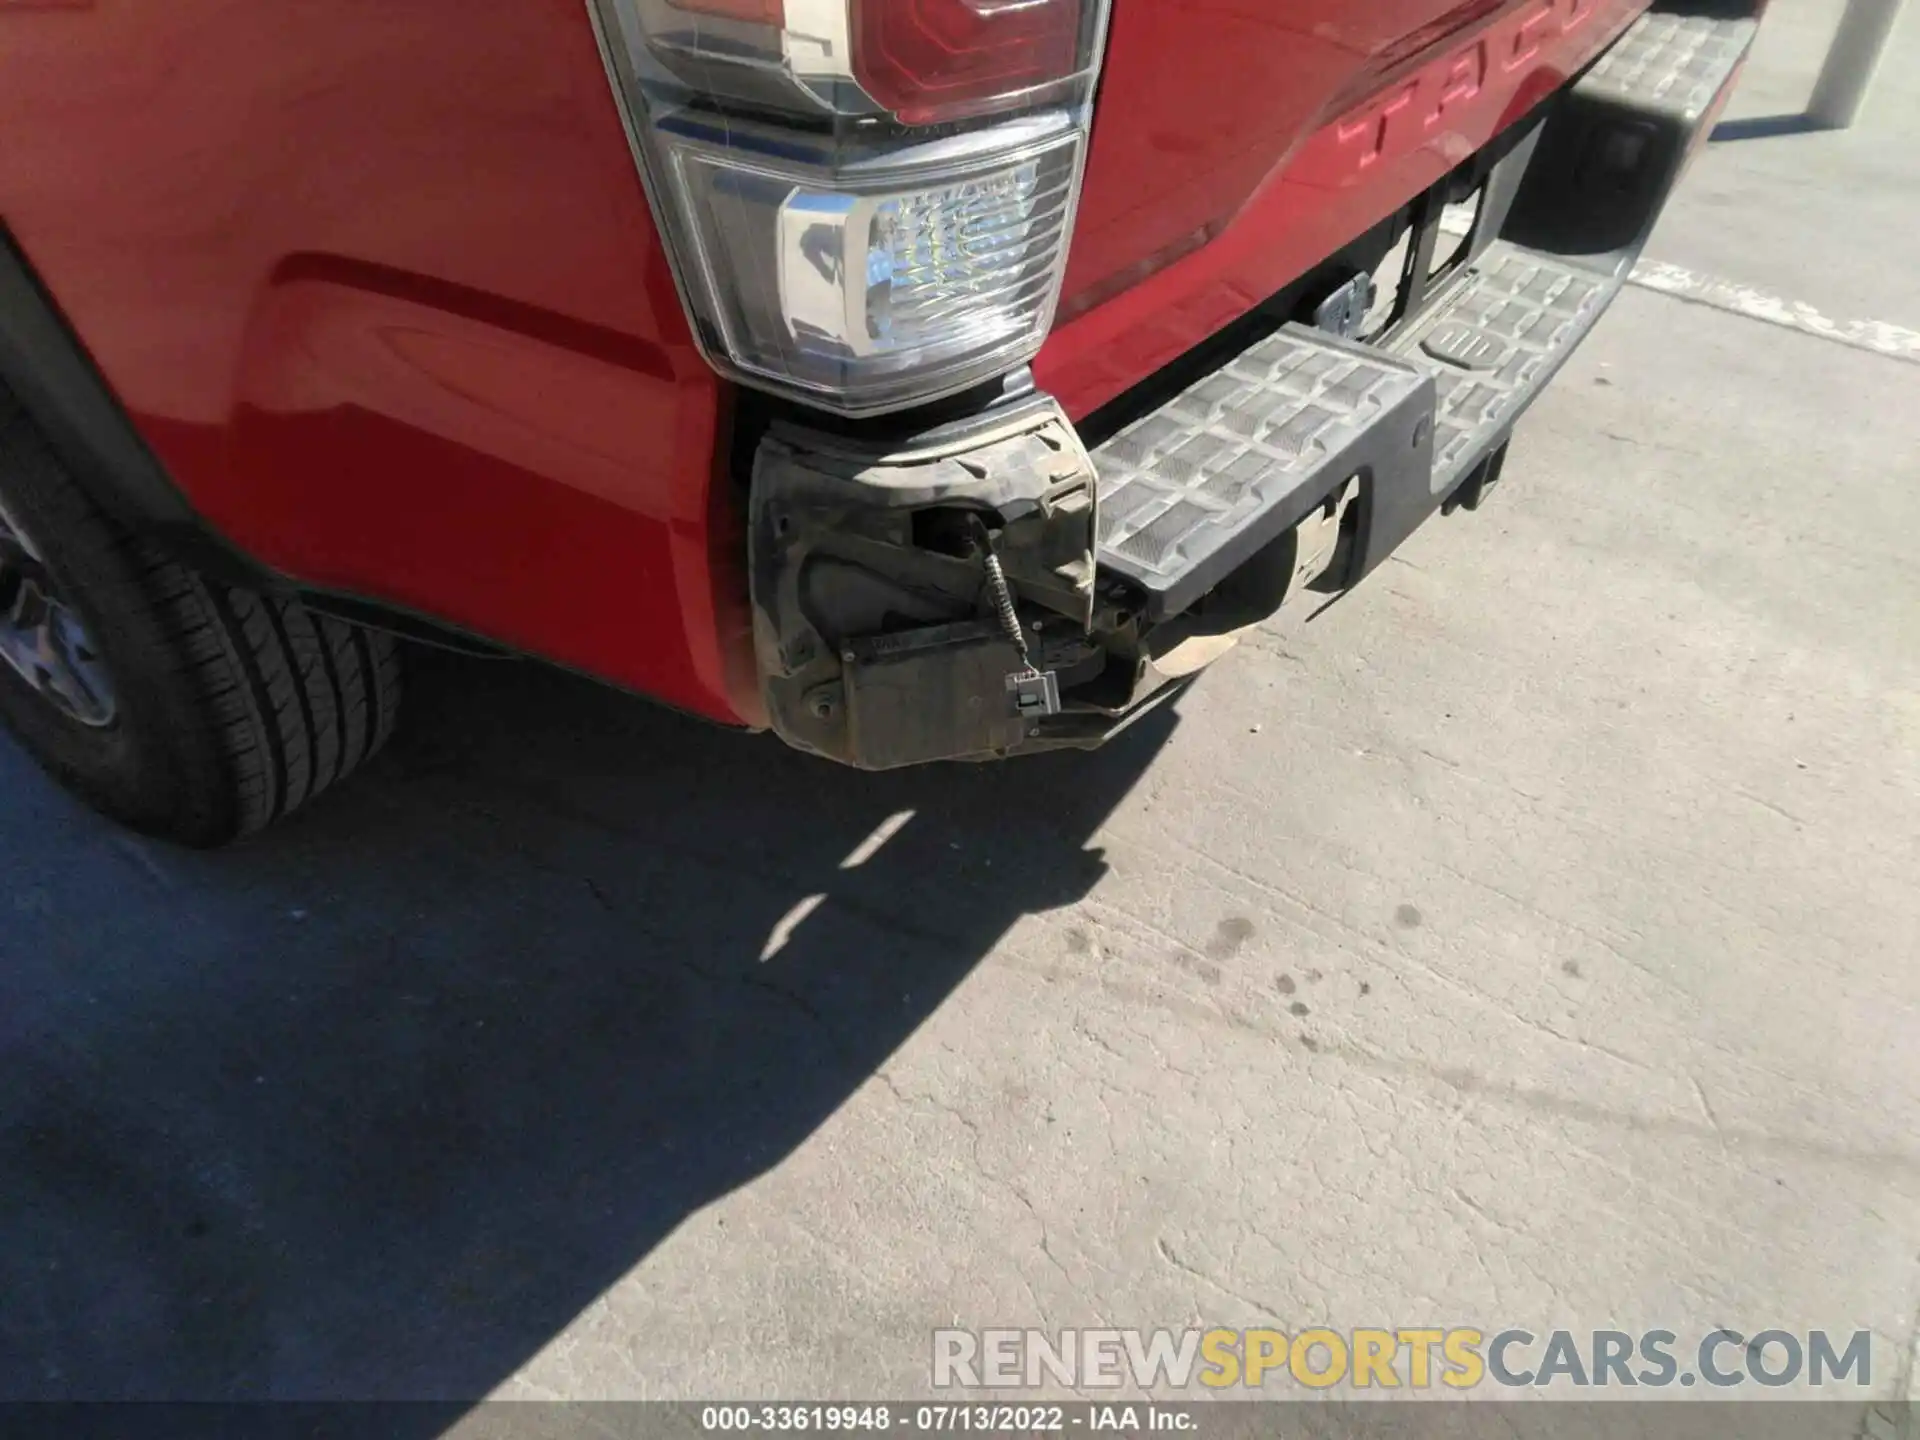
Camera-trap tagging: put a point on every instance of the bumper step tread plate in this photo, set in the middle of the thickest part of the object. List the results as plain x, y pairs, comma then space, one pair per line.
1492, 344
1240, 457
1670, 64
1231, 464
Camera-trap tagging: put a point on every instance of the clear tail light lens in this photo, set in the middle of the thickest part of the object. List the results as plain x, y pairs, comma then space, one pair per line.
867, 292
760, 12
832, 241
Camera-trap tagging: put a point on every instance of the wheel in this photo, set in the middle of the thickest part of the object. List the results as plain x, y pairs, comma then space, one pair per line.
177, 705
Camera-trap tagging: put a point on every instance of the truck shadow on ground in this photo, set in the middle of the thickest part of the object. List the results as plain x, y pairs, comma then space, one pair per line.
375, 1106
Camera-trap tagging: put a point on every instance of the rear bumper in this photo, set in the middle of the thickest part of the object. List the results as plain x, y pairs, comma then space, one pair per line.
1298, 461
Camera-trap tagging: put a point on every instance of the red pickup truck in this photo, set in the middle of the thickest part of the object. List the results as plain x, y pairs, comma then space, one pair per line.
919, 379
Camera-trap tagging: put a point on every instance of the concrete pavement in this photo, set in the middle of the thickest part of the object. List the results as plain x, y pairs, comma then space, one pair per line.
1528, 939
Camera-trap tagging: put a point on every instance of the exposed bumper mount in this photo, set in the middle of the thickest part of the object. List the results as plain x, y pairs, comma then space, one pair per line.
1305, 458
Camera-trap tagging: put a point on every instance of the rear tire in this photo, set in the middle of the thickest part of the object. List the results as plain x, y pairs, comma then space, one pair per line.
229, 708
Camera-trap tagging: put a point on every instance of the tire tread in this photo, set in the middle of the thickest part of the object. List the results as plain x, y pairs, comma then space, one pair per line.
291, 690
296, 700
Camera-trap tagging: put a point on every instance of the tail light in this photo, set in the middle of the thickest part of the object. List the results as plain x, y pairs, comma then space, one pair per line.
867, 202
926, 60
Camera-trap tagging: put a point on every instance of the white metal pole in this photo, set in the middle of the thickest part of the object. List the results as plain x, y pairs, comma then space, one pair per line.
1854, 56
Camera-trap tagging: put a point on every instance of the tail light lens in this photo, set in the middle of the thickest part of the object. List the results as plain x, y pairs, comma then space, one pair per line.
927, 60
868, 202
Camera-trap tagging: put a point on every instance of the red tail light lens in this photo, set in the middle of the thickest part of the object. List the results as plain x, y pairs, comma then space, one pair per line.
928, 60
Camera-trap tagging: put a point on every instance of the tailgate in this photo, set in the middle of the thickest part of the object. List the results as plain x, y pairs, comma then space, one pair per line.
1237, 143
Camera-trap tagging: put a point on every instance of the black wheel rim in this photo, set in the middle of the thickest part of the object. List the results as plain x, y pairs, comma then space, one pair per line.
43, 640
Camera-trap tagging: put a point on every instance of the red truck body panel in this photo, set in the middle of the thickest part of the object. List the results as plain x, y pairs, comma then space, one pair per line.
1241, 142
380, 286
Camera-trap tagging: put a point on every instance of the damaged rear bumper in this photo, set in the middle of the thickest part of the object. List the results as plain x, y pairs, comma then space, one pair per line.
993, 587
880, 639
